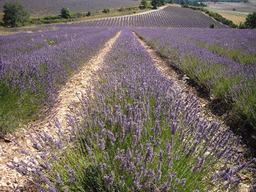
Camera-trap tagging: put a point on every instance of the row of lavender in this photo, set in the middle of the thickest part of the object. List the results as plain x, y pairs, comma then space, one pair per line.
167, 17
239, 45
33, 69
135, 131
222, 76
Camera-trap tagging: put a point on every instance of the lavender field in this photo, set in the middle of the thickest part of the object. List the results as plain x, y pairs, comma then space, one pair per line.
131, 128
48, 7
175, 17
135, 131
223, 61
33, 70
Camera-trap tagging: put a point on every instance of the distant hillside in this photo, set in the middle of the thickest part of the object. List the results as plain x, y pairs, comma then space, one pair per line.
170, 16
53, 7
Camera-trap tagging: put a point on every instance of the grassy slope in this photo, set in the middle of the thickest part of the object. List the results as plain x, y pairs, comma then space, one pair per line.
236, 19
1, 16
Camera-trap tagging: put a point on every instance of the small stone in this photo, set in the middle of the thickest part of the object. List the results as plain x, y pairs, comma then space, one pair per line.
15, 159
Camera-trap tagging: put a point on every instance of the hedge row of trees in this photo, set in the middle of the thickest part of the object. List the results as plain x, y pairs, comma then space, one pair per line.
154, 3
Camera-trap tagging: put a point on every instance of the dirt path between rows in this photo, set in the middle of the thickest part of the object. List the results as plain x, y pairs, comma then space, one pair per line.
10, 179
180, 82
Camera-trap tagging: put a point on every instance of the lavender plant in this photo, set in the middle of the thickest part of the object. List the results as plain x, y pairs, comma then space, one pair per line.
33, 71
134, 131
223, 77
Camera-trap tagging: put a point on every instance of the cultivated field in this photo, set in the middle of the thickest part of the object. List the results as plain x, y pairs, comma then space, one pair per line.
48, 7
171, 16
226, 10
101, 107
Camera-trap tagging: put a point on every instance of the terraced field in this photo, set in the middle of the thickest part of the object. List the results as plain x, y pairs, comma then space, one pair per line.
100, 105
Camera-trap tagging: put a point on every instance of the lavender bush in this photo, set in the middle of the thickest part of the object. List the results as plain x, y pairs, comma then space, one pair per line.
134, 131
33, 70
223, 77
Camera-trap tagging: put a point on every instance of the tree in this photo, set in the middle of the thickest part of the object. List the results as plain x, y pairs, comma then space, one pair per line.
157, 3
251, 20
65, 13
162, 2
106, 10
15, 15
89, 13
144, 4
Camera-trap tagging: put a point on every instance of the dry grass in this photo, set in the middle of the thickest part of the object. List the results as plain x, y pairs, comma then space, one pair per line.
236, 19
175, 5
1, 16
114, 12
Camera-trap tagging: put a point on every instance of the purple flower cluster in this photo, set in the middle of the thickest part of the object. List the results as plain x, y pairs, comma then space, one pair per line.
222, 76
135, 131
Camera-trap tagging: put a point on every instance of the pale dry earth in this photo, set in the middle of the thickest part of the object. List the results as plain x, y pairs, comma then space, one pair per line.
9, 151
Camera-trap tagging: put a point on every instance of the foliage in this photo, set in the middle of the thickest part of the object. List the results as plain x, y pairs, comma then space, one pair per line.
242, 25
89, 13
78, 15
157, 3
144, 4
105, 10
251, 20
211, 25
65, 13
191, 3
15, 15
52, 17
